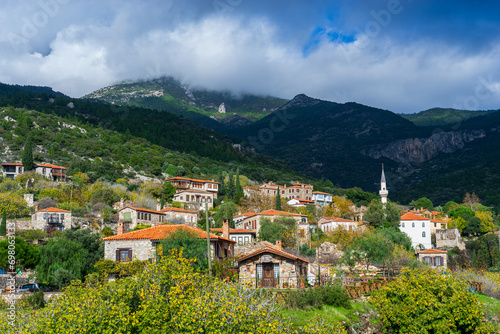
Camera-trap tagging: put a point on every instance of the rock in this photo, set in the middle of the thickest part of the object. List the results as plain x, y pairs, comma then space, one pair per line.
422, 149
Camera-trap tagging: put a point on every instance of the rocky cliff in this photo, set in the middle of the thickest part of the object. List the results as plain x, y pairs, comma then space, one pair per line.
422, 149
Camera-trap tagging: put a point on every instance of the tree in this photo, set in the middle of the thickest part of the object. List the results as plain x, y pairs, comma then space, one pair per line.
450, 206
395, 236
278, 200
230, 191
27, 157
422, 202
46, 202
26, 256
340, 207
13, 205
370, 249
220, 180
486, 218
225, 211
426, 301
238, 189
383, 215
471, 199
69, 256
459, 223
282, 228
168, 191
192, 247
3, 225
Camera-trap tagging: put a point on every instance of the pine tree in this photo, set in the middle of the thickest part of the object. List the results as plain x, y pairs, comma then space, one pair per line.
27, 157
3, 225
238, 188
278, 200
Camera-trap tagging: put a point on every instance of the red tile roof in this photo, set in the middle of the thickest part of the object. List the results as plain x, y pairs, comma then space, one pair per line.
51, 209
432, 251
273, 212
246, 214
412, 216
187, 179
438, 221
160, 232
273, 250
178, 210
144, 210
12, 164
51, 166
320, 192
233, 230
338, 220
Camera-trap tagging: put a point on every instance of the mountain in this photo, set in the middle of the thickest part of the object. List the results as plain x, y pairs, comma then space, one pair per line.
205, 107
115, 140
443, 116
18, 89
347, 143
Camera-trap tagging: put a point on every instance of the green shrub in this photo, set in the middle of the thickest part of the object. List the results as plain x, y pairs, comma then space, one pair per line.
32, 301
427, 301
315, 298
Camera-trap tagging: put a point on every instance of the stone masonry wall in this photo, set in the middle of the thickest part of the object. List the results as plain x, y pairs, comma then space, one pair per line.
141, 249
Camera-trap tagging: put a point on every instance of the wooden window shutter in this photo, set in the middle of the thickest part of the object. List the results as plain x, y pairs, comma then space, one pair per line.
117, 255
130, 254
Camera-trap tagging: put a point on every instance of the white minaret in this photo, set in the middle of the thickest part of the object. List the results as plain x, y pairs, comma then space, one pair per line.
383, 188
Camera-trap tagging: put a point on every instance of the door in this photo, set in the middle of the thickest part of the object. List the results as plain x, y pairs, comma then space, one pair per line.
268, 275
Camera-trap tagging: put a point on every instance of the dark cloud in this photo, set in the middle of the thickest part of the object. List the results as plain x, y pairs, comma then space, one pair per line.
400, 55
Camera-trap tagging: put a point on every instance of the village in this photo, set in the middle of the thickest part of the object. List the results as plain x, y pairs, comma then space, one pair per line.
138, 230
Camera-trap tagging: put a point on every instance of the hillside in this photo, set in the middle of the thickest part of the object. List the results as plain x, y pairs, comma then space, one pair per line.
347, 143
199, 105
443, 116
144, 139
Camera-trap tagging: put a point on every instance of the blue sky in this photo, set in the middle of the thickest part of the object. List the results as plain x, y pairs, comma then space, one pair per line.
405, 56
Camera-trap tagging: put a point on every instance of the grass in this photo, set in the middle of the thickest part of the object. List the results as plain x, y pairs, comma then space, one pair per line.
300, 318
490, 305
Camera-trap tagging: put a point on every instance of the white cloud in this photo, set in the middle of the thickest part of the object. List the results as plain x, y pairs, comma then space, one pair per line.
247, 54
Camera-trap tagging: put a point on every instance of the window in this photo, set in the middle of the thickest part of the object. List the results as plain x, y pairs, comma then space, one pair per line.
127, 216
438, 261
423, 224
423, 234
124, 254
403, 224
240, 240
412, 224
247, 239
428, 259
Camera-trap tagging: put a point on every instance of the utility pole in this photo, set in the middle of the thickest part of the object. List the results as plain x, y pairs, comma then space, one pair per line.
209, 253
317, 250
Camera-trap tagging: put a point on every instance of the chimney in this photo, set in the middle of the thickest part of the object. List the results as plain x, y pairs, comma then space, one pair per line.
278, 245
120, 229
158, 205
225, 229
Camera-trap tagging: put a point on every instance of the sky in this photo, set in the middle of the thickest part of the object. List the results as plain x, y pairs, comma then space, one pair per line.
401, 55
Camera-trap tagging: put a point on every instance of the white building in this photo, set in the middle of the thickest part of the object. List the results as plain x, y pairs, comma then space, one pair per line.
418, 228
322, 198
383, 188
328, 224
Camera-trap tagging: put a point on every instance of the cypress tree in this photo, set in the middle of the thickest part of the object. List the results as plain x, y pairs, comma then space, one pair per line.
278, 200
3, 225
238, 188
27, 157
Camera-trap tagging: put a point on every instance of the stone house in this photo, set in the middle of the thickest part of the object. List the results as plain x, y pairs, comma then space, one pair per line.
142, 244
183, 183
195, 199
449, 238
132, 216
272, 267
328, 224
51, 217
297, 190
435, 257
52, 172
11, 170
300, 203
251, 220
190, 217
241, 236
438, 224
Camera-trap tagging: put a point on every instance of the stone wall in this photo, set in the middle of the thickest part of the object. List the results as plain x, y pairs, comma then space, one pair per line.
449, 238
141, 249
288, 270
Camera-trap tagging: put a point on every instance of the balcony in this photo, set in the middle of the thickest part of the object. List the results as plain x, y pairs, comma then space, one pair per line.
58, 173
